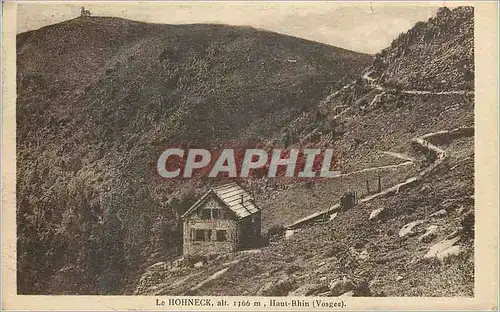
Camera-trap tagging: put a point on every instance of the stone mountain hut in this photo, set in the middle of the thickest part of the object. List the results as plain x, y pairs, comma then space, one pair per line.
223, 220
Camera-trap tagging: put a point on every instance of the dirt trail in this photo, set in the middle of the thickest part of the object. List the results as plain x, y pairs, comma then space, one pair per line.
406, 163
372, 82
334, 94
438, 92
440, 156
399, 155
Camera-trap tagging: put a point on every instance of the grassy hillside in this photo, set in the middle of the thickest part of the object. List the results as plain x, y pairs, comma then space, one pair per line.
100, 98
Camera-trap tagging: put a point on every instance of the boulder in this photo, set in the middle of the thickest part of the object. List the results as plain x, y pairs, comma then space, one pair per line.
230, 263
364, 255
340, 286
444, 249
375, 213
407, 230
199, 264
322, 269
325, 294
446, 254
267, 288
454, 234
333, 216
279, 288
429, 235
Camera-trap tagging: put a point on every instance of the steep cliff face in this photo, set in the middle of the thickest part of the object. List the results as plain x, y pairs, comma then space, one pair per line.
433, 55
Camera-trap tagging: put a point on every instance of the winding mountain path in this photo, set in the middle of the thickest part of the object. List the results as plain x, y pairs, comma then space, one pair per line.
399, 155
372, 82
406, 163
422, 142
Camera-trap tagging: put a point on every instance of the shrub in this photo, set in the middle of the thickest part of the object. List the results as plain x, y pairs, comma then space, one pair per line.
276, 230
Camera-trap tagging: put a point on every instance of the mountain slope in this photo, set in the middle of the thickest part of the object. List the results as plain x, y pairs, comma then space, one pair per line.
417, 240
373, 115
100, 98
370, 253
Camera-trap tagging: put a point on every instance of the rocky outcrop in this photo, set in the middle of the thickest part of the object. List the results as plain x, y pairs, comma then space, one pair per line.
444, 249
280, 287
408, 229
429, 235
347, 287
375, 213
341, 286
433, 55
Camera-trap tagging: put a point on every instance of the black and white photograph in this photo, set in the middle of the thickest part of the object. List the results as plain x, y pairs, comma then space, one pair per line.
290, 150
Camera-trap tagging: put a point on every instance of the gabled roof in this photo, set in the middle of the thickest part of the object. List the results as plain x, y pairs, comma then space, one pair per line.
233, 197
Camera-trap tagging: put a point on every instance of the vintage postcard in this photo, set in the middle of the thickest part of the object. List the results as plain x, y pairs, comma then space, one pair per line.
249, 156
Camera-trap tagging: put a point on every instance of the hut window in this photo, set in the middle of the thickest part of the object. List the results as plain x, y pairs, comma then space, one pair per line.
215, 213
221, 235
206, 213
211, 213
203, 235
199, 235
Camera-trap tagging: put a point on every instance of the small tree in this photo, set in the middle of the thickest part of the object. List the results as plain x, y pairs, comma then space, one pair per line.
276, 230
287, 138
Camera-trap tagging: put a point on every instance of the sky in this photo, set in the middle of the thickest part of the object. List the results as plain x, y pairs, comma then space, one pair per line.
361, 26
